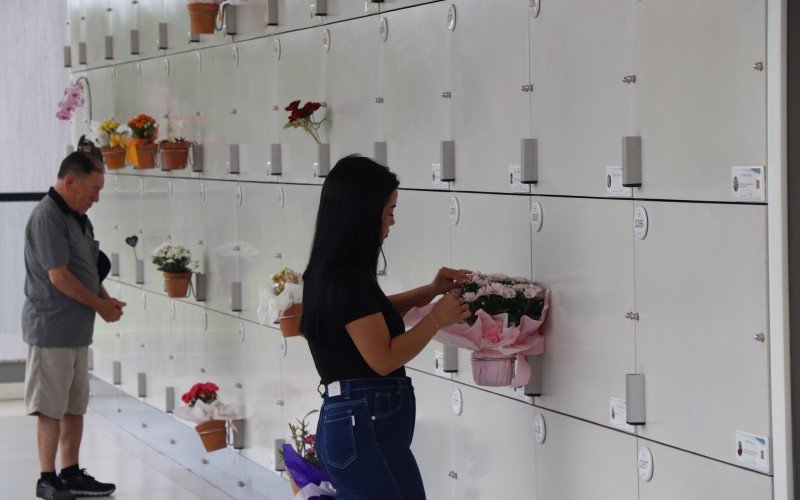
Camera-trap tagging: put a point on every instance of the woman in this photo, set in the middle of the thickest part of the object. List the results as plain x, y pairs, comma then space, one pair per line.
358, 340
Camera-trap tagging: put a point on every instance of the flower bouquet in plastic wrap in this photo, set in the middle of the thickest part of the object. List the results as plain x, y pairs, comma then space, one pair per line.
308, 480
507, 314
209, 413
282, 302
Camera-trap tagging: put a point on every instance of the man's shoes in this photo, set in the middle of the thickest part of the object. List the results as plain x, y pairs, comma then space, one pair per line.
53, 489
82, 484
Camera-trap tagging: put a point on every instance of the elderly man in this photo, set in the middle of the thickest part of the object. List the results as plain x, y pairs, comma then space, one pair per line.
63, 293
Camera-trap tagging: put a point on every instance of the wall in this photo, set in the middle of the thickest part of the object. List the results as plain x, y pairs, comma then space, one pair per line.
32, 85
32, 139
698, 280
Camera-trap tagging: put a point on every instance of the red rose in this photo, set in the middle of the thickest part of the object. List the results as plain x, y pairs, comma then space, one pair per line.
293, 105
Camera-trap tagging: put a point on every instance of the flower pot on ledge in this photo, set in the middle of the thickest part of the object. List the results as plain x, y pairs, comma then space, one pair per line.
146, 155
175, 155
203, 17
177, 284
114, 158
290, 321
212, 434
492, 369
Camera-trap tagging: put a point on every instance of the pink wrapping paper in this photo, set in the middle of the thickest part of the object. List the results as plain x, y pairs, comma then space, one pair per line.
492, 333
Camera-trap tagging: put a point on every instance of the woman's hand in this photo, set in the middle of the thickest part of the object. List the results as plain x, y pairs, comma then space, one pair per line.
448, 279
449, 310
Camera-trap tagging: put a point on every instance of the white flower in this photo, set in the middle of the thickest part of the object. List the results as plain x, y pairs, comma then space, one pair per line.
532, 291
508, 292
492, 289
470, 297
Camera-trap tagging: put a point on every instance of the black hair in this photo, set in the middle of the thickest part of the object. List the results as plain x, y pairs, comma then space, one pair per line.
347, 238
80, 162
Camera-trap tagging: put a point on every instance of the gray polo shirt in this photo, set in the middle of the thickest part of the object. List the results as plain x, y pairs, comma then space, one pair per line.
55, 236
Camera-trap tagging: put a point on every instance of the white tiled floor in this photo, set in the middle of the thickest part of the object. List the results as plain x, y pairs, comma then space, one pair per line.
108, 453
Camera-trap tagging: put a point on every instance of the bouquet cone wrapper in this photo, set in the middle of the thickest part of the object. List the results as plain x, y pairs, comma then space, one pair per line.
493, 333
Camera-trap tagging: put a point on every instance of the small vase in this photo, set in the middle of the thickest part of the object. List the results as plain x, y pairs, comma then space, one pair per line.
114, 158
492, 369
175, 155
203, 17
146, 156
178, 284
290, 321
212, 434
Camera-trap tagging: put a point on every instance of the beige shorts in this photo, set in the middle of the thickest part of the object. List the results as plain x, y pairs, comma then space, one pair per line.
57, 381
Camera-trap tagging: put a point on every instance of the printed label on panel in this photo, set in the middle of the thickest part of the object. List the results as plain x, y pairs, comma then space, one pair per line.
515, 184
618, 410
436, 177
752, 451
614, 185
747, 183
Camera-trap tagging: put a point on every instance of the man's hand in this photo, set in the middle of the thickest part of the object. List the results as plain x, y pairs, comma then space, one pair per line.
110, 309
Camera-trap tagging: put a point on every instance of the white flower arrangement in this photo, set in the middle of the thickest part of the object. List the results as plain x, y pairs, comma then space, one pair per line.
173, 259
285, 290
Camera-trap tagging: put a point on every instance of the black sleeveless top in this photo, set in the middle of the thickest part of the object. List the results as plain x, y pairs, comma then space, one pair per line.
335, 354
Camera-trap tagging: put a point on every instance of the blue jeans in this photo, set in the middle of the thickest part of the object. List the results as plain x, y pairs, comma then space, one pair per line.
364, 440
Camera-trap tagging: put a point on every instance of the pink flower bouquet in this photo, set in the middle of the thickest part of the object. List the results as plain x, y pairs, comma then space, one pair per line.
507, 316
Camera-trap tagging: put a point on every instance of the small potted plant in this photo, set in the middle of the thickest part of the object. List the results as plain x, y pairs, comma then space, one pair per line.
204, 408
281, 302
175, 153
111, 140
175, 261
142, 149
507, 315
203, 16
305, 474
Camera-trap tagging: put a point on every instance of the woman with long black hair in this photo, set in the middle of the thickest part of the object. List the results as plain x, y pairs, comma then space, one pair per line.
358, 340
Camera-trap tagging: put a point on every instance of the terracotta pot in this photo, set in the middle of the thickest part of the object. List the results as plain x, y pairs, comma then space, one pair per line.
146, 155
213, 434
178, 284
175, 155
114, 158
290, 321
203, 17
293, 485
492, 369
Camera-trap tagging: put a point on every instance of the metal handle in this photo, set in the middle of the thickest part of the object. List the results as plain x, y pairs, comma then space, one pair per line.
629, 79
447, 94
527, 88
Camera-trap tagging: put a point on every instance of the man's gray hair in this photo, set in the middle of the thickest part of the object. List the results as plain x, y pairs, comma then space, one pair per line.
82, 164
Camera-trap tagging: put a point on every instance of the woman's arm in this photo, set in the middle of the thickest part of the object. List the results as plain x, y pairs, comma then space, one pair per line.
417, 297
446, 279
385, 354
